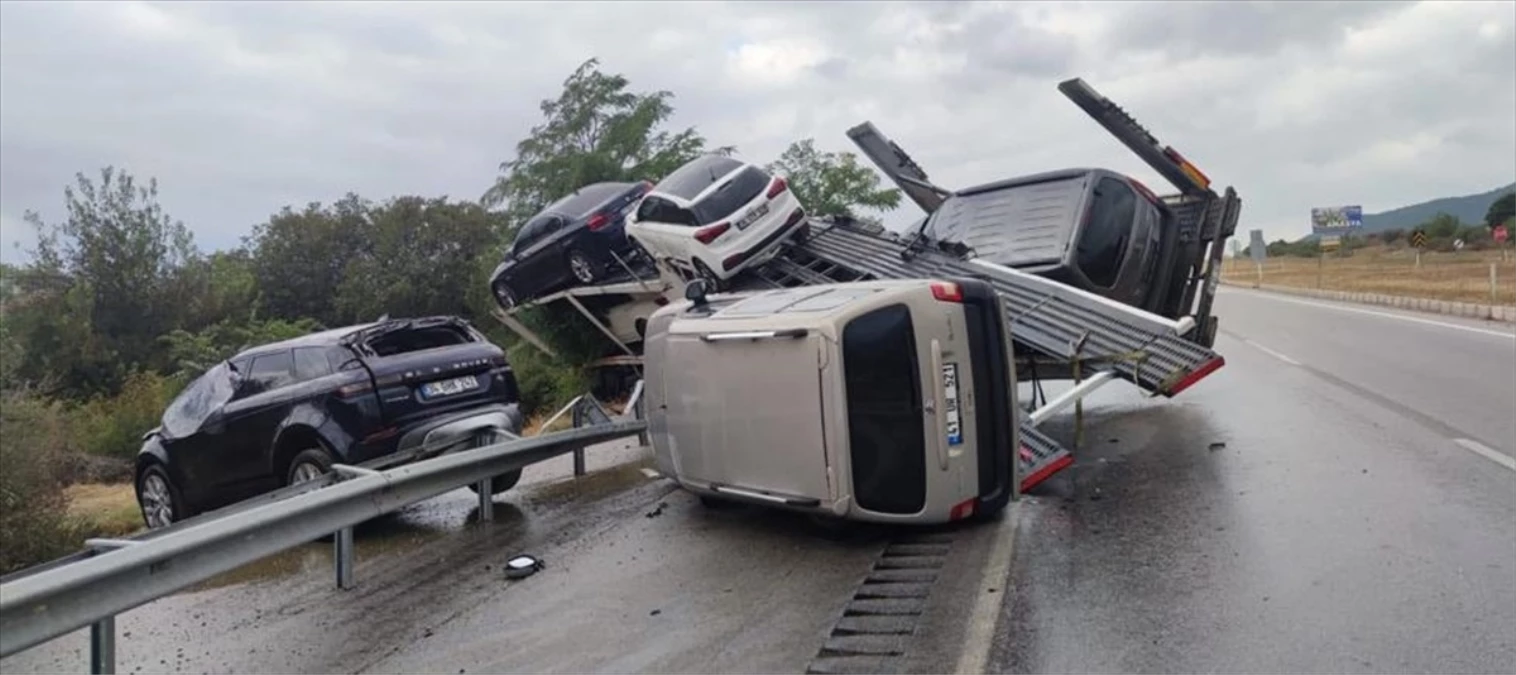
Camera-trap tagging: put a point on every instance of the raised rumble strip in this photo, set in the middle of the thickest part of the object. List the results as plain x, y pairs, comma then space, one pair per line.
881, 618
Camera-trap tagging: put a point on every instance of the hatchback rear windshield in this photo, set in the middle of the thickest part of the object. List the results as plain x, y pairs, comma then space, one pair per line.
731, 196
697, 175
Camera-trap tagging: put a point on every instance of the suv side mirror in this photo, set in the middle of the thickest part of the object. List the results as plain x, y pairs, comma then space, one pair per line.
695, 291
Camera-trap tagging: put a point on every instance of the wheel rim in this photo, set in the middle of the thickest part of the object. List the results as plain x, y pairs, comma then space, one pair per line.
705, 272
581, 268
157, 502
305, 471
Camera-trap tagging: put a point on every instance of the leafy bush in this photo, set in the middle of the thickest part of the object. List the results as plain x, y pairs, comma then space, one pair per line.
34, 526
113, 427
546, 383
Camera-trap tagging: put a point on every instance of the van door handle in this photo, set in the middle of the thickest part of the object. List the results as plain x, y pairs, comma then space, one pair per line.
939, 416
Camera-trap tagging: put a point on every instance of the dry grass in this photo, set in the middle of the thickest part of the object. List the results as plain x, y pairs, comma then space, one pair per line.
1461, 277
104, 509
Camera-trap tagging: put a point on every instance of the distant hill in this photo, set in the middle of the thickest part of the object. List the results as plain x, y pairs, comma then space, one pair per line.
1470, 209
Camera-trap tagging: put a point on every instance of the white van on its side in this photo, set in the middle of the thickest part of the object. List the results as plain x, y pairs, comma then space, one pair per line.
889, 401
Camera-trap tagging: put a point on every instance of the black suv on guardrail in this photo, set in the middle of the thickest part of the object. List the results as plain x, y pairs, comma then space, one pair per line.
376, 394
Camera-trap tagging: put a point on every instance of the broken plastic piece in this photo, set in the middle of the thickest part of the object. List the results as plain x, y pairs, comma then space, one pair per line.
522, 566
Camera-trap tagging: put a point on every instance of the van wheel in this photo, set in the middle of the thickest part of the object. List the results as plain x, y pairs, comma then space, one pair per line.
308, 465
580, 265
500, 483
717, 283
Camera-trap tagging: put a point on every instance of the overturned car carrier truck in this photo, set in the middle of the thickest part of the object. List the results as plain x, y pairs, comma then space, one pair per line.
1097, 278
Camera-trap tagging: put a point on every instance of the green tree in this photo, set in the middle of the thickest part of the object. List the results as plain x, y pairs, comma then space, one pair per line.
105, 277
299, 258
1501, 210
831, 183
425, 257
1442, 225
594, 131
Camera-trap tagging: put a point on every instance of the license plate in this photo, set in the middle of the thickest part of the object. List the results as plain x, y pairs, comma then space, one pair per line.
456, 385
950, 404
753, 215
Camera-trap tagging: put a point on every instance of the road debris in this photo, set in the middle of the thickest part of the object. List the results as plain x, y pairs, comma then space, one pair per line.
521, 567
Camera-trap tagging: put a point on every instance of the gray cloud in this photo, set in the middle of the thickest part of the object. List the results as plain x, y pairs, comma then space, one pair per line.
239, 109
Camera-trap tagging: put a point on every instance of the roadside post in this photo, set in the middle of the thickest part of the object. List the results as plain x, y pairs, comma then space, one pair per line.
1418, 242
1258, 251
1494, 284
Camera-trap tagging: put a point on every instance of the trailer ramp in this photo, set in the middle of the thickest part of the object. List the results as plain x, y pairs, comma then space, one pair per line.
1046, 317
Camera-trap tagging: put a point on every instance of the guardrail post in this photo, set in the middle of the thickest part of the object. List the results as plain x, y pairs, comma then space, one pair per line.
343, 554
102, 646
486, 499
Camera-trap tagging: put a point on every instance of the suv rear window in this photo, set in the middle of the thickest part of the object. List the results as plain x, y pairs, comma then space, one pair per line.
417, 339
883, 383
740, 190
1104, 238
696, 175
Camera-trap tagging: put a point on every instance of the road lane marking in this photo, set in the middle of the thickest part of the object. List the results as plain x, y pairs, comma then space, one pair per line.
1272, 353
996, 575
1388, 315
1487, 452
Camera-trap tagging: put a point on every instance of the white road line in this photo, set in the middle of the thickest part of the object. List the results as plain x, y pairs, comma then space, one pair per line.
997, 575
1272, 353
1387, 315
1486, 452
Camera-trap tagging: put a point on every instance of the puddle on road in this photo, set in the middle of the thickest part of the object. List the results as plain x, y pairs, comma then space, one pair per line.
590, 487
383, 535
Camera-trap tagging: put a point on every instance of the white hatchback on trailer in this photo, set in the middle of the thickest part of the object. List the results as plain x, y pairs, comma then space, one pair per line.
716, 216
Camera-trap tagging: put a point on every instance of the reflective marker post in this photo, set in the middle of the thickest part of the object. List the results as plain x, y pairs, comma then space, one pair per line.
102, 646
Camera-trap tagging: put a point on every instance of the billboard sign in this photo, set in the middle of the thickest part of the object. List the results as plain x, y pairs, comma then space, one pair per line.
1256, 247
1336, 219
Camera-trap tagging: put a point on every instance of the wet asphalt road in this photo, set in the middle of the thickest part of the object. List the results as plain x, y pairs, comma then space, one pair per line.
1309, 508
1306, 509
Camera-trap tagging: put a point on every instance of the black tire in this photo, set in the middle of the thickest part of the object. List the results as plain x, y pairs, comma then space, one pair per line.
717, 284
313, 459
500, 483
582, 267
154, 485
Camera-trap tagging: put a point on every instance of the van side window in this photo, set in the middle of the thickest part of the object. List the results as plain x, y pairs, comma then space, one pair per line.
1108, 224
882, 378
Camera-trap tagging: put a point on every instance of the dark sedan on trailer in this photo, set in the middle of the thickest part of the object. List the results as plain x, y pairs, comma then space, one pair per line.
571, 242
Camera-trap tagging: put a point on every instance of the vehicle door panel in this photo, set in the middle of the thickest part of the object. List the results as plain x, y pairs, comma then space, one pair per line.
252, 419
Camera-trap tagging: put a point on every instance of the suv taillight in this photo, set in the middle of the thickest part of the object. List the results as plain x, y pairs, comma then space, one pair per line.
777, 187
947, 291
706, 235
597, 221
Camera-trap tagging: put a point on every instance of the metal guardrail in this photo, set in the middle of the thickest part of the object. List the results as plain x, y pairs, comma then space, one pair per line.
57, 598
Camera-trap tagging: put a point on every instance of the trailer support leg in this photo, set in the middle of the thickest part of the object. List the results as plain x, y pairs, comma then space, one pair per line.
342, 555
102, 646
1067, 398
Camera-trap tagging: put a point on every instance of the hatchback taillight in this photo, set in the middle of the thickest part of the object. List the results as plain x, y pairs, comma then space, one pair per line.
597, 221
706, 235
777, 187
947, 291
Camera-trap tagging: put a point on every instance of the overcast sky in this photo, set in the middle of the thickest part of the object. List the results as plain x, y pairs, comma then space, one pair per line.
239, 109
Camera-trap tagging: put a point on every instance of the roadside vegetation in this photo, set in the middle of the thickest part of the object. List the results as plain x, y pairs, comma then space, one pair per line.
117, 308
1385, 262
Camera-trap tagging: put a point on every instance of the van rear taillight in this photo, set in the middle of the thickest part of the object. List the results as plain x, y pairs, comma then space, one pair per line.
597, 221
706, 235
947, 291
962, 510
777, 187
1143, 189
1190, 170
